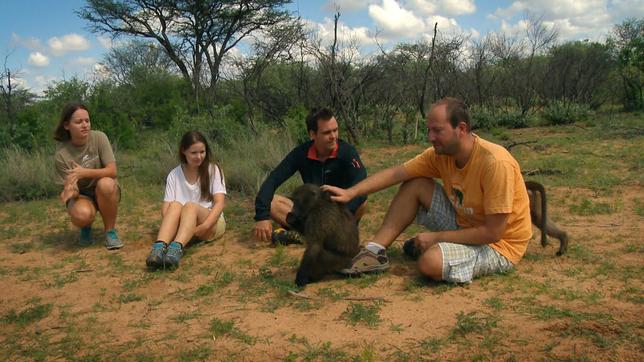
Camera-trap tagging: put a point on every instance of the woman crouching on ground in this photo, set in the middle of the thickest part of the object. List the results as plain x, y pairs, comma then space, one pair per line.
86, 167
193, 204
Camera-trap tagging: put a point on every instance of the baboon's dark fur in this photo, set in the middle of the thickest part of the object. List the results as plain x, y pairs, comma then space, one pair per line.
539, 216
329, 230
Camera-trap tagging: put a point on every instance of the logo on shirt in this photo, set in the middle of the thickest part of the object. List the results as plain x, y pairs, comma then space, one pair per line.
355, 163
457, 201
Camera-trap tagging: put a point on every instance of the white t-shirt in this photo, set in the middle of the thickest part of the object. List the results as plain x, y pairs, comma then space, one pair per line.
178, 189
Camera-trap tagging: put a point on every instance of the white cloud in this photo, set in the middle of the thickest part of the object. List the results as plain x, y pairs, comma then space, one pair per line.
573, 19
628, 8
41, 82
38, 59
395, 20
347, 5
346, 34
443, 7
30, 43
105, 41
84, 61
68, 43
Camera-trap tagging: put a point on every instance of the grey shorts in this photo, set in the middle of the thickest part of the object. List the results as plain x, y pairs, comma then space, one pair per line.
461, 263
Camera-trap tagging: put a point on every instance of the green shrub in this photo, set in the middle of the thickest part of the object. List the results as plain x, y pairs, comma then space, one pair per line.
483, 117
561, 112
27, 175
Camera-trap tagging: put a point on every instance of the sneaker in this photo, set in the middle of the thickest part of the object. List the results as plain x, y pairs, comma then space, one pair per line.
85, 238
112, 240
285, 237
410, 249
173, 254
155, 259
367, 262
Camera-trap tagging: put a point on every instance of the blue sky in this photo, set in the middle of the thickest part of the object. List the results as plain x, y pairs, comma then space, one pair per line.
46, 41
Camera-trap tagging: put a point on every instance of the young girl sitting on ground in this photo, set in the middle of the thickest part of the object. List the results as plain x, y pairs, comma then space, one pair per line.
86, 168
193, 204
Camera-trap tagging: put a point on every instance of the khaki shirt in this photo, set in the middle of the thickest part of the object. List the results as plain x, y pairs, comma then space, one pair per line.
96, 153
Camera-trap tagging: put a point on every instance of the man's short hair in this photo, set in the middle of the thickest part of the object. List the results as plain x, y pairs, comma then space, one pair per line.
456, 111
321, 114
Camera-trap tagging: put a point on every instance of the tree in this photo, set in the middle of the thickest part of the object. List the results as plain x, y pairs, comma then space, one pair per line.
628, 40
195, 34
124, 60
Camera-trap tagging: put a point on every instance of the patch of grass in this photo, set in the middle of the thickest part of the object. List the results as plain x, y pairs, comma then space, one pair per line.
281, 258
494, 303
61, 279
473, 322
588, 207
220, 281
199, 353
27, 316
630, 294
226, 327
364, 280
186, 316
21, 248
129, 298
357, 313
639, 207
432, 344
316, 352
139, 280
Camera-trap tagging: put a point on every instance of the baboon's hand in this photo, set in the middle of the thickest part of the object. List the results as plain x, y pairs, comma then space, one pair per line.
301, 279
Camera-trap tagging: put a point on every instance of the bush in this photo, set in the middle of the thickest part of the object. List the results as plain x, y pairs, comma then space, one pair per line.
483, 117
247, 161
561, 112
27, 175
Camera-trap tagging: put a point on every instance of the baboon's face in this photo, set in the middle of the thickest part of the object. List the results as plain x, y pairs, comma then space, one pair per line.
304, 198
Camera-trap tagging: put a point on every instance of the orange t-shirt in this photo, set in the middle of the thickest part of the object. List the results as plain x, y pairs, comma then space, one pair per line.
490, 183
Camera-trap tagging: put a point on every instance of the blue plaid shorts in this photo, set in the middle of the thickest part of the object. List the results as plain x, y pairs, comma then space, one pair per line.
461, 263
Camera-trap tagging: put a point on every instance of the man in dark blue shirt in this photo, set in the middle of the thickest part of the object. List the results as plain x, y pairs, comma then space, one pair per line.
324, 160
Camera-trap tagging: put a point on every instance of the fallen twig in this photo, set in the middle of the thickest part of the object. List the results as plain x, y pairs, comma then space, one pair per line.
365, 298
300, 295
82, 270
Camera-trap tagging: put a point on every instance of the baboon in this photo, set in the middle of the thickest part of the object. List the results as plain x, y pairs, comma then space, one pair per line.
539, 216
329, 231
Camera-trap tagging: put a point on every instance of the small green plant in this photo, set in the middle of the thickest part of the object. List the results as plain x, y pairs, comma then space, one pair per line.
226, 327
587, 207
130, 297
358, 313
472, 322
186, 316
494, 303
27, 316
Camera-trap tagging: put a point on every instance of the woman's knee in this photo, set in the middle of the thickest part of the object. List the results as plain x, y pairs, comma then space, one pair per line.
430, 264
190, 207
82, 215
106, 186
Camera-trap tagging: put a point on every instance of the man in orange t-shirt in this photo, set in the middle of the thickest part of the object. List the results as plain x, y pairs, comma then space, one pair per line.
479, 217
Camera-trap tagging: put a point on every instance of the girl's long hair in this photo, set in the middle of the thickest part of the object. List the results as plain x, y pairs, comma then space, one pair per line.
189, 139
